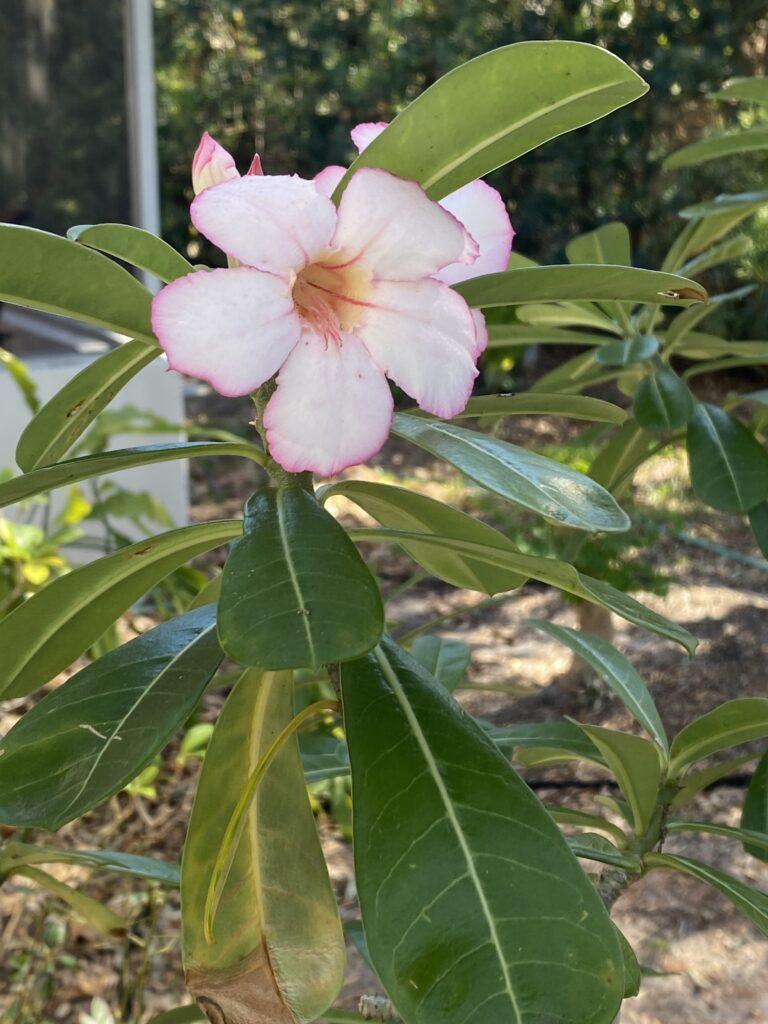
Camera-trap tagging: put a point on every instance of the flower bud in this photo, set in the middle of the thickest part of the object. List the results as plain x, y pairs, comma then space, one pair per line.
211, 164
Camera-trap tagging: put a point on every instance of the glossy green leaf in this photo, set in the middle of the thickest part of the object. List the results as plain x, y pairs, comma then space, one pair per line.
617, 671
277, 950
724, 252
60, 474
573, 375
96, 732
633, 975
744, 835
617, 460
22, 377
490, 866
570, 314
134, 245
722, 203
568, 816
701, 232
636, 764
542, 485
295, 592
758, 520
45, 634
548, 570
754, 816
44, 271
696, 782
625, 353
662, 402
402, 509
149, 868
564, 736
56, 427
753, 903
685, 321
578, 407
509, 335
607, 244
96, 914
736, 721
446, 660
497, 107
751, 90
729, 468
749, 141
580, 281
590, 846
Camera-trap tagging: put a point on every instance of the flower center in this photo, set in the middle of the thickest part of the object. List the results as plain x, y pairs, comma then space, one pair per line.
331, 294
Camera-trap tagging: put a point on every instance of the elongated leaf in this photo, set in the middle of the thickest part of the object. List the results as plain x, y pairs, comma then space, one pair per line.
617, 671
45, 634
569, 314
277, 950
590, 846
753, 903
150, 868
295, 592
577, 407
722, 203
633, 974
580, 281
724, 252
754, 817
750, 90
696, 782
96, 732
499, 105
568, 816
136, 246
759, 840
573, 375
566, 736
758, 520
44, 271
56, 427
729, 468
446, 660
408, 510
539, 484
95, 913
736, 721
607, 244
636, 764
60, 474
626, 353
508, 335
22, 377
662, 402
749, 141
490, 866
620, 457
548, 570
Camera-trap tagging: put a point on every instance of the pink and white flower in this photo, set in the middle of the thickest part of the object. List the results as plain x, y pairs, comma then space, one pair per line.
333, 301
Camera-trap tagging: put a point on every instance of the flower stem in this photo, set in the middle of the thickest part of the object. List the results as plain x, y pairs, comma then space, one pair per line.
278, 476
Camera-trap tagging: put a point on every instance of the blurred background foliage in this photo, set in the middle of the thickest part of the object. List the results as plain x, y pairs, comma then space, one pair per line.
289, 79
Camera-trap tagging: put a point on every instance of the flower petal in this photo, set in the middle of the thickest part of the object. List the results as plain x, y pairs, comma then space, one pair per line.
423, 335
211, 164
276, 223
327, 179
364, 134
481, 210
481, 333
233, 328
392, 227
332, 407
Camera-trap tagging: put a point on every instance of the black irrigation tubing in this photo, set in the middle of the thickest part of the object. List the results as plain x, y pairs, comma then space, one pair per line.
740, 781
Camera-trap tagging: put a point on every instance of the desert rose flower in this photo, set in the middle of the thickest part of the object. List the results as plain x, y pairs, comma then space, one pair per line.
334, 302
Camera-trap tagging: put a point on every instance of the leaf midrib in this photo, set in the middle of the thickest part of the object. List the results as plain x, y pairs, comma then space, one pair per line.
302, 607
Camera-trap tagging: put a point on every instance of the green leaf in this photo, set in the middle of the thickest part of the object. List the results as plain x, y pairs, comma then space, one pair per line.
136, 246
637, 766
45, 634
572, 314
496, 107
547, 570
607, 244
753, 903
180, 1015
726, 203
578, 407
749, 141
44, 271
568, 816
60, 422
295, 592
726, 251
625, 353
490, 867
47, 478
758, 520
542, 485
96, 914
754, 817
402, 509
662, 402
736, 721
90, 736
23, 379
590, 846
617, 671
446, 660
509, 335
729, 468
750, 90
149, 868
633, 974
277, 950
695, 782
564, 736
744, 835
580, 281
